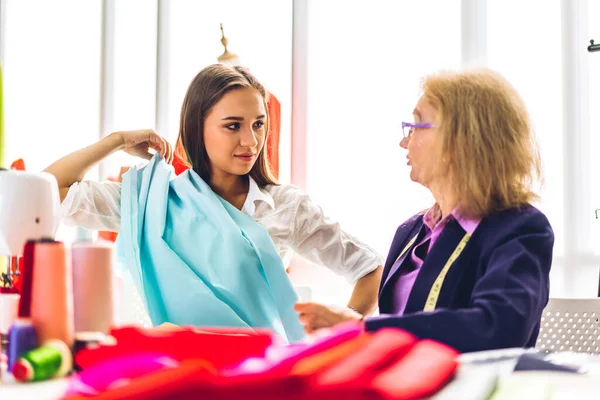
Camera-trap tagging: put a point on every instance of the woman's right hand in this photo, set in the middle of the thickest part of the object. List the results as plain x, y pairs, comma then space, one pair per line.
138, 142
73, 167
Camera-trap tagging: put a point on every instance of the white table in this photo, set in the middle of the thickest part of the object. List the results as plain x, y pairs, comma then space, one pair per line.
46, 390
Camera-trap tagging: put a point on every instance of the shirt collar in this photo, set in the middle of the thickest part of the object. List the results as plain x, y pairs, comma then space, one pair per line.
255, 193
431, 219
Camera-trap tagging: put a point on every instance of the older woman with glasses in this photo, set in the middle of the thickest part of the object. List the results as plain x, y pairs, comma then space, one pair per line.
471, 271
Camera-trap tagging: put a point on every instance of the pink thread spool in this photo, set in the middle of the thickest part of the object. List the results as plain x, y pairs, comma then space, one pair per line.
92, 286
52, 292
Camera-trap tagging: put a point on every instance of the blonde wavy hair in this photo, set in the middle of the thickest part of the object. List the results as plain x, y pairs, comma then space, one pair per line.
488, 146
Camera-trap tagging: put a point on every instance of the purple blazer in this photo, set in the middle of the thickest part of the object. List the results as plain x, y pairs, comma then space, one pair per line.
494, 293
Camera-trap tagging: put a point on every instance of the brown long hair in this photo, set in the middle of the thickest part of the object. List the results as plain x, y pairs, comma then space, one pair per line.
488, 145
206, 89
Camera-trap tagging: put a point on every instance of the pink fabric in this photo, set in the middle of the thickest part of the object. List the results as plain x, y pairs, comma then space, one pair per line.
342, 362
117, 372
278, 359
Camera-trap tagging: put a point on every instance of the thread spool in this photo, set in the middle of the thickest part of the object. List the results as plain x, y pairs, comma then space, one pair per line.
21, 339
92, 286
52, 360
52, 297
27, 279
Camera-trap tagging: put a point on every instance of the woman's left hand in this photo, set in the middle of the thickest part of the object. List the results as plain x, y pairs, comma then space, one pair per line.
316, 316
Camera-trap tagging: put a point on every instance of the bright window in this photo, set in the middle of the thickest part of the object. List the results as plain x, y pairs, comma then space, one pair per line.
51, 78
134, 91
531, 59
365, 61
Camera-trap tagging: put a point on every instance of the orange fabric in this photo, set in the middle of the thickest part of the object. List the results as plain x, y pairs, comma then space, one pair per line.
327, 358
274, 109
338, 335
19, 165
105, 235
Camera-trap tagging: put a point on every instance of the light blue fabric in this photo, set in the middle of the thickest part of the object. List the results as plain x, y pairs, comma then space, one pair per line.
197, 260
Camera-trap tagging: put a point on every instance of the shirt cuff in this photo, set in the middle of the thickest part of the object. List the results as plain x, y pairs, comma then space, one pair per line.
358, 273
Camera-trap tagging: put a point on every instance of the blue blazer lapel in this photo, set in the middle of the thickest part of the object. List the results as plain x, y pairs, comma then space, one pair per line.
399, 244
434, 263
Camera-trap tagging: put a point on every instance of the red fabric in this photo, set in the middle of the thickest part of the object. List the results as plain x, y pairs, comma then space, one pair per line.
179, 159
19, 165
213, 382
274, 109
164, 384
359, 368
194, 380
389, 364
220, 347
426, 368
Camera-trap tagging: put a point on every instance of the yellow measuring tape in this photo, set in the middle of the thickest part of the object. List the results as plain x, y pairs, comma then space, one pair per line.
434, 293
408, 246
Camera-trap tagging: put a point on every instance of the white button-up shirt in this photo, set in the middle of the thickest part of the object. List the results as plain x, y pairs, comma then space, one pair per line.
293, 221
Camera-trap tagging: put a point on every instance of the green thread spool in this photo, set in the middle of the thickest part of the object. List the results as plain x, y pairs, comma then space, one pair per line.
53, 359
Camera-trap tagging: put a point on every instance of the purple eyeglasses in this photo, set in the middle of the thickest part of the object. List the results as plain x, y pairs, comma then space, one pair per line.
408, 128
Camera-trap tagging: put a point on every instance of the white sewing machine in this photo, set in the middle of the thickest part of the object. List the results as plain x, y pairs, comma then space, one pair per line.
29, 209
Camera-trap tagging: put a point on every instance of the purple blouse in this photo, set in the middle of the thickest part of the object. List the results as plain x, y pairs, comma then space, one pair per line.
433, 229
